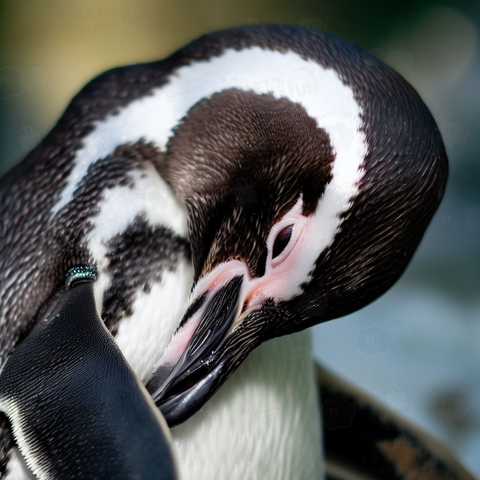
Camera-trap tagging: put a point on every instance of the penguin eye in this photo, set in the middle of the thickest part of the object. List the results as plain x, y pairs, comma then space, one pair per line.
281, 241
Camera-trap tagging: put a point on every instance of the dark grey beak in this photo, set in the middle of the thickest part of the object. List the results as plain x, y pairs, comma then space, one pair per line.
76, 408
180, 390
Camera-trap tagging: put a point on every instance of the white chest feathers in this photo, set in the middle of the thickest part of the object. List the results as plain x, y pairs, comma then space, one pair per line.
263, 424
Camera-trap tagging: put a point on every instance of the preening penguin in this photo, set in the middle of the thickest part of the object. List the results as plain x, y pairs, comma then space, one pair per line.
336, 218
308, 172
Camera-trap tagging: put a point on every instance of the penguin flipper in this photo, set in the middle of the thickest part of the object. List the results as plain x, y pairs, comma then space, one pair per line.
369, 441
76, 408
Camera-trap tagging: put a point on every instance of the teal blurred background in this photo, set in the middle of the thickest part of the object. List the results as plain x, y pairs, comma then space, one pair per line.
417, 349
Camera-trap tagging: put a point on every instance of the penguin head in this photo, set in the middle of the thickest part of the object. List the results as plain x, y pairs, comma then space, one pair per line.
309, 183
290, 223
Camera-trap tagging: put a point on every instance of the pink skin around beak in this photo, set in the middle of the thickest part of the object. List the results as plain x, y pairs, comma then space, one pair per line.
219, 303
278, 282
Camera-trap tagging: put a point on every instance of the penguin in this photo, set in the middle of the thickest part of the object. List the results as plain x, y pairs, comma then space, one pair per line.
259, 181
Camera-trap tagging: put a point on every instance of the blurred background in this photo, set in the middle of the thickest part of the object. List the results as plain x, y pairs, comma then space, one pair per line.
417, 349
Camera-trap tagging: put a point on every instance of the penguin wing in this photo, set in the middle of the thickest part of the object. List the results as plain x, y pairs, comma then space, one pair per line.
365, 440
76, 408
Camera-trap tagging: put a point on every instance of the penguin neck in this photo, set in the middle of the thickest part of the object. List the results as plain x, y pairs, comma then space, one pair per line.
262, 424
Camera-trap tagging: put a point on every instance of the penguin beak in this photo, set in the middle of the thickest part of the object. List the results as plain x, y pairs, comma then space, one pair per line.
201, 355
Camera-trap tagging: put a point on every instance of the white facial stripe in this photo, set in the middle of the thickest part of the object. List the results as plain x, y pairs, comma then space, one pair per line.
319, 90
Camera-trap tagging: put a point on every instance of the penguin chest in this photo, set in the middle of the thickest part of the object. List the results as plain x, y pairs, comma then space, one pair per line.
263, 424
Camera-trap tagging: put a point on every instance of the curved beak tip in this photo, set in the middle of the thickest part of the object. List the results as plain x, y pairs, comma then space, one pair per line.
193, 366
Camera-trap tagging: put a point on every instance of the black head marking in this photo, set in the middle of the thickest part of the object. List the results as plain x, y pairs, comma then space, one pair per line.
253, 155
